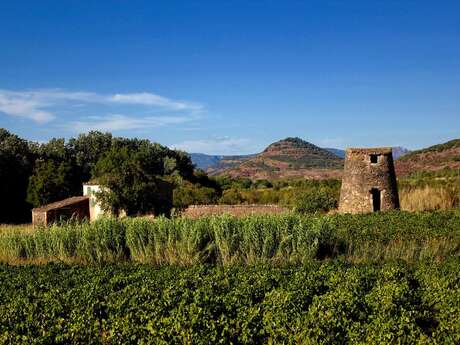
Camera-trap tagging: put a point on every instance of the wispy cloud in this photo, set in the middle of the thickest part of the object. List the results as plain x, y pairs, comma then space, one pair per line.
217, 145
17, 105
42, 106
117, 122
146, 98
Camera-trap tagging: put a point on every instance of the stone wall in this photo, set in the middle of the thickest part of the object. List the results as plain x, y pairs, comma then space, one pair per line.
196, 211
39, 217
361, 176
74, 207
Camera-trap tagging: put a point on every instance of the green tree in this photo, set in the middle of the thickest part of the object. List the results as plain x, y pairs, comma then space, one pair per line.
50, 182
87, 149
132, 180
16, 163
231, 197
188, 193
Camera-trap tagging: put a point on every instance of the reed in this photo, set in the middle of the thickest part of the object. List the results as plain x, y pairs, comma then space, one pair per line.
430, 198
226, 240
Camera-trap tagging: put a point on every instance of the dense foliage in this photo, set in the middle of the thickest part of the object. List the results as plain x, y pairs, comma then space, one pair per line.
328, 303
226, 240
16, 164
316, 201
131, 175
307, 196
35, 174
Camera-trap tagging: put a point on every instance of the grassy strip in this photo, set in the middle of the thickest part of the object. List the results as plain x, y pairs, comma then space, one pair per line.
281, 239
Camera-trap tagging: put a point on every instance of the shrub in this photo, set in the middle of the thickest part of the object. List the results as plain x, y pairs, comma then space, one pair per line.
315, 202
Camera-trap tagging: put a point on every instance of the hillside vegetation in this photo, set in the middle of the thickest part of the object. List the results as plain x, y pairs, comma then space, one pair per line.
433, 158
291, 157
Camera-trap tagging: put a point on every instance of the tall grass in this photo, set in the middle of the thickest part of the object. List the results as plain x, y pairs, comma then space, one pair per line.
224, 240
9, 228
429, 198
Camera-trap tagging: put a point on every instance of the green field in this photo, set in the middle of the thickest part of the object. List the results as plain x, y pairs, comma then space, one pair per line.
385, 278
317, 303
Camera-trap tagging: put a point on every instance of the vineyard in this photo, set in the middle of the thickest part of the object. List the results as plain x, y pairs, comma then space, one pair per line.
385, 278
318, 303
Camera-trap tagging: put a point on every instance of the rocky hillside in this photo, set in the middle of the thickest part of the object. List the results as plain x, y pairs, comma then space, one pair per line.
433, 158
291, 157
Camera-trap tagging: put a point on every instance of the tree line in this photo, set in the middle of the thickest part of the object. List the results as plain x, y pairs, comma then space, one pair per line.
33, 174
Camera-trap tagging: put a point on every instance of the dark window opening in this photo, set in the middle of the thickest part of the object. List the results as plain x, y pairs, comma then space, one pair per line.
375, 199
374, 158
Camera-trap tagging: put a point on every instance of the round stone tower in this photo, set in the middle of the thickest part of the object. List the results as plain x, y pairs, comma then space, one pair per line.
369, 181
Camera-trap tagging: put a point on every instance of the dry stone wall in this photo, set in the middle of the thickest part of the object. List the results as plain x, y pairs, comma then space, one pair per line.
196, 211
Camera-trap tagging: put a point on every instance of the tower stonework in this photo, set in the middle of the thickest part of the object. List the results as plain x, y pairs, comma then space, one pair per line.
369, 181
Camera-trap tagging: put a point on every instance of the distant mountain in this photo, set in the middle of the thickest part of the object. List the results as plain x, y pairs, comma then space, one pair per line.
399, 151
291, 157
228, 162
338, 152
204, 161
220, 162
216, 162
433, 158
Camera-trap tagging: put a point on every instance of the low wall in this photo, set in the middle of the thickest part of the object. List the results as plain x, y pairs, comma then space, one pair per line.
196, 211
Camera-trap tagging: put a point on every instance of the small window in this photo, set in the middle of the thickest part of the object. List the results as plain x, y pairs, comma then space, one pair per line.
374, 158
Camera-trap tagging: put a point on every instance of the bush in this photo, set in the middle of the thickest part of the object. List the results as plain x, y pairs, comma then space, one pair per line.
319, 201
187, 194
231, 197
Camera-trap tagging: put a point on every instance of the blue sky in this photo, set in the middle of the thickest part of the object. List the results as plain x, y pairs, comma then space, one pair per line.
228, 77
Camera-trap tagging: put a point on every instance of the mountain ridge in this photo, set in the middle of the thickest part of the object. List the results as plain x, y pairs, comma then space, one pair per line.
433, 158
216, 163
290, 157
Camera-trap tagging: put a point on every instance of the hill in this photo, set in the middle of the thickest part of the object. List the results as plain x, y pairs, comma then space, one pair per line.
204, 161
338, 152
291, 157
211, 163
433, 158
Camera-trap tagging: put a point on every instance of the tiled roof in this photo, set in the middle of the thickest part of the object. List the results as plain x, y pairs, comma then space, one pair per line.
61, 203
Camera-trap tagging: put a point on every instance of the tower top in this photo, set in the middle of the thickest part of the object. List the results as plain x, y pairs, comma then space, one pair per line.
369, 151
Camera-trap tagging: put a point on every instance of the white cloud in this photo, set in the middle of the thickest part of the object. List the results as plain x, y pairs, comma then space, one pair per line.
118, 122
153, 100
42, 105
219, 145
16, 105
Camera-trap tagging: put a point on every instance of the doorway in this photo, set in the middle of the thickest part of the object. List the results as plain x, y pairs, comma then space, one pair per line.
376, 199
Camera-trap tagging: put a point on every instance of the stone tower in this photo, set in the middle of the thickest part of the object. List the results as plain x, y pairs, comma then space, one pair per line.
369, 181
